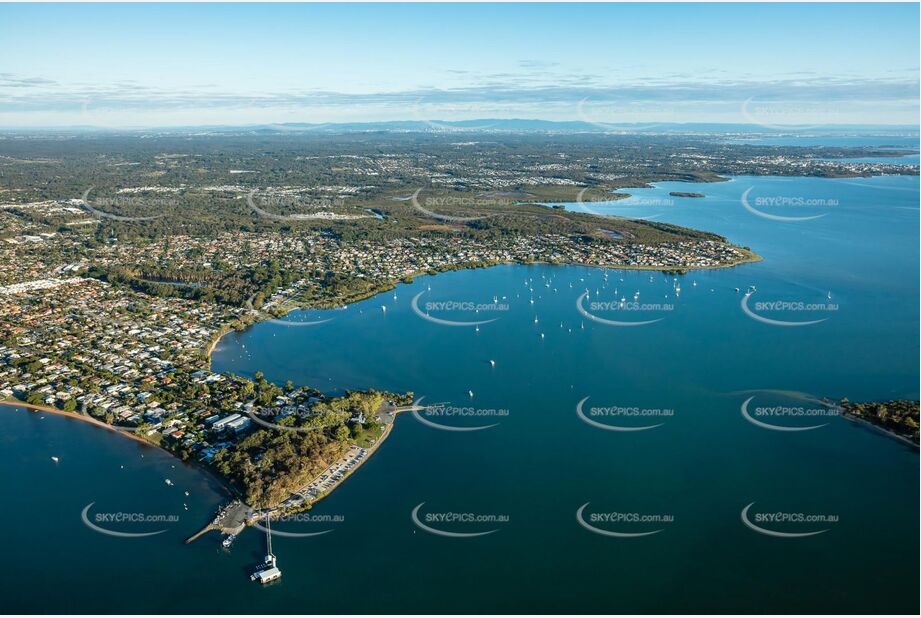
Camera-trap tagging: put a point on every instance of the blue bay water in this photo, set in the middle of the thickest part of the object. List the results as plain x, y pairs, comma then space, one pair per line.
542, 462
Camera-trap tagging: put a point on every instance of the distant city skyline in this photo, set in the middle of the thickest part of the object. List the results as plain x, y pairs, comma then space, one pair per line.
778, 65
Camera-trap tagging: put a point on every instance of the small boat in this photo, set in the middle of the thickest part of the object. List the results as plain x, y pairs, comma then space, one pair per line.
55, 459
228, 540
492, 362
187, 493
384, 308
169, 482
470, 393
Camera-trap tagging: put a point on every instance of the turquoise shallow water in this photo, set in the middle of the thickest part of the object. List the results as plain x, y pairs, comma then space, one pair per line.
541, 462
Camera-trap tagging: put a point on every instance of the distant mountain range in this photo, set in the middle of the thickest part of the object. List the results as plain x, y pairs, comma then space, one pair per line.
569, 126
516, 125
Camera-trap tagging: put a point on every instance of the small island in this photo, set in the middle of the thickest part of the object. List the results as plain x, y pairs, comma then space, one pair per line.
686, 194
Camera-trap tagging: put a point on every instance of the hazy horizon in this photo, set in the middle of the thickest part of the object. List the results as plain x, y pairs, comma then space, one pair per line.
154, 66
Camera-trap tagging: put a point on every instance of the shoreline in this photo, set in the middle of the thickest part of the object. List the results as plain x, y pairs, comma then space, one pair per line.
750, 257
84, 418
223, 484
388, 427
879, 429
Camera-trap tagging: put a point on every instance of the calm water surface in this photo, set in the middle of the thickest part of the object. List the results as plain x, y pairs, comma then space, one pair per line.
528, 475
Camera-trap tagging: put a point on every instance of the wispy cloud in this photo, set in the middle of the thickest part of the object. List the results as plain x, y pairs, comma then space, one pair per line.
506, 90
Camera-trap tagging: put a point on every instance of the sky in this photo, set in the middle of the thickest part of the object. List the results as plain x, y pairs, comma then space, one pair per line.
155, 65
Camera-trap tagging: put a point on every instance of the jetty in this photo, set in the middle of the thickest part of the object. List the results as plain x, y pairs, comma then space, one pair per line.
268, 571
230, 520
